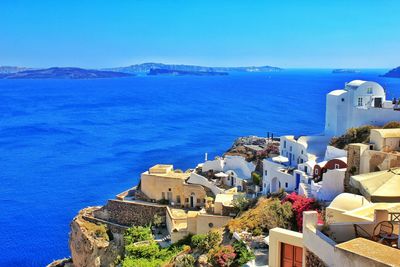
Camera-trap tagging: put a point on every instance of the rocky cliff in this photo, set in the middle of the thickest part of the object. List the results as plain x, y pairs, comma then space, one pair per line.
92, 244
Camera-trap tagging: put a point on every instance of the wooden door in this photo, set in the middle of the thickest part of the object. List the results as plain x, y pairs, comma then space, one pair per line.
291, 256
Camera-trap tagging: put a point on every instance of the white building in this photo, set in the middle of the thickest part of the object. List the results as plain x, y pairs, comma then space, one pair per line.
359, 103
236, 168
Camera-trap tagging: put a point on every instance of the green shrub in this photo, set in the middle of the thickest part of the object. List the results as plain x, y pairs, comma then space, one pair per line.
243, 255
257, 232
136, 234
207, 241
145, 250
267, 214
240, 202
185, 260
131, 262
256, 177
198, 240
96, 230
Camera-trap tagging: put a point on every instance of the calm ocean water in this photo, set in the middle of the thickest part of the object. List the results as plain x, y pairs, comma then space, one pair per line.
68, 144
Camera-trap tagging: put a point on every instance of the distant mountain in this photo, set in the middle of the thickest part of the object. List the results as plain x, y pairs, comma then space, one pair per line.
146, 67
11, 69
63, 73
184, 72
345, 71
394, 73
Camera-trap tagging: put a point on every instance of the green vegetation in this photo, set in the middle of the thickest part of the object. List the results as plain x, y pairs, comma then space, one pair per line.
359, 135
353, 135
142, 251
96, 230
185, 260
256, 177
137, 234
267, 214
243, 255
241, 203
207, 241
392, 125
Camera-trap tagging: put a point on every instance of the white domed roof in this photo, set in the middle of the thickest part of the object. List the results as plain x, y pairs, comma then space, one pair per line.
356, 83
347, 201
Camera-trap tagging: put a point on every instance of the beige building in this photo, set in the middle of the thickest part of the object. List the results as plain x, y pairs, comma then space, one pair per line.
382, 153
161, 182
181, 223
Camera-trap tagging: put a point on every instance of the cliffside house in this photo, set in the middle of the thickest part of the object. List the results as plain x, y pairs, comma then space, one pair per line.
162, 183
359, 103
382, 153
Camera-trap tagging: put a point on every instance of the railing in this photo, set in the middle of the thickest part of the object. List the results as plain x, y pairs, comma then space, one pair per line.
394, 216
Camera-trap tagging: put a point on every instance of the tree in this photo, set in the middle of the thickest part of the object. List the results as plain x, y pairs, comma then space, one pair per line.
136, 234
256, 177
146, 250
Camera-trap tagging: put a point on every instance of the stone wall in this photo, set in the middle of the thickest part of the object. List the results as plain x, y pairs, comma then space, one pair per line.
129, 213
312, 260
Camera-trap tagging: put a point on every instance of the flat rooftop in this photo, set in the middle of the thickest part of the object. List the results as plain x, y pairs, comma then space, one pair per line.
372, 250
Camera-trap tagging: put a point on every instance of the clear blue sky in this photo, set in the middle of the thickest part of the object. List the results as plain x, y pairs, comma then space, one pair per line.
224, 33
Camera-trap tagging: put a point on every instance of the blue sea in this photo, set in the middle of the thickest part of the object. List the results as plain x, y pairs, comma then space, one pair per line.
69, 144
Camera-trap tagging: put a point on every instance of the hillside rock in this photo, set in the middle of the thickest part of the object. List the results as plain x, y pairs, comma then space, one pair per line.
93, 245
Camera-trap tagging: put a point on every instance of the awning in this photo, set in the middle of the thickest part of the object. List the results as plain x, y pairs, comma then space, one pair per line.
382, 186
280, 159
221, 175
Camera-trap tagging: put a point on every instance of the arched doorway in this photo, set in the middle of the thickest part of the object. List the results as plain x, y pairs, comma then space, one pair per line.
274, 185
192, 200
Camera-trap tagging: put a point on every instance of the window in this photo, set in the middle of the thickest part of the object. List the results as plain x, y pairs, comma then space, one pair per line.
342, 99
369, 90
265, 172
290, 148
169, 189
293, 157
337, 166
302, 152
211, 225
178, 199
286, 185
163, 195
284, 144
187, 200
360, 101
316, 171
305, 169
198, 201
279, 184
301, 160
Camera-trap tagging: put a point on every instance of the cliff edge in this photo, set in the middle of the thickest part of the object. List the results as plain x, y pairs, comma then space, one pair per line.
92, 244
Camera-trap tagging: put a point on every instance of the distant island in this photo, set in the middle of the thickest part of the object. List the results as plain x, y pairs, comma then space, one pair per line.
339, 71
14, 72
394, 73
184, 72
62, 73
146, 67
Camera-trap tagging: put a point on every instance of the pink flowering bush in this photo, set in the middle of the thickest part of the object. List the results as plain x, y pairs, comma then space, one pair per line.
299, 205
